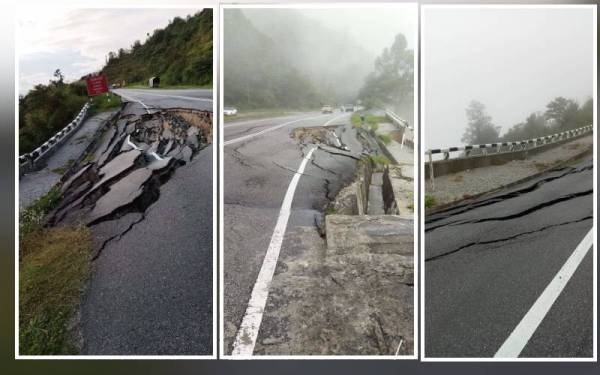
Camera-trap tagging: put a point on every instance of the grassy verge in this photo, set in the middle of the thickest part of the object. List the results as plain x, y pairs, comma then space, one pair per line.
30, 219
371, 120
379, 161
53, 267
105, 102
430, 201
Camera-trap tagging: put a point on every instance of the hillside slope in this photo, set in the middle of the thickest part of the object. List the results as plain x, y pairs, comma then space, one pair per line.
180, 54
256, 74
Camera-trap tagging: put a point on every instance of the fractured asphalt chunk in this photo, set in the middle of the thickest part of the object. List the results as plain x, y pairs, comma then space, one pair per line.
136, 155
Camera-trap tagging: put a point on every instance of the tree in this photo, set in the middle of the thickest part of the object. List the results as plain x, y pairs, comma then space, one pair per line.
562, 113
480, 128
535, 126
60, 78
392, 80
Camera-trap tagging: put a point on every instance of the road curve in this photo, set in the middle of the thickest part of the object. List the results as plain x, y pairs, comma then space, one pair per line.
200, 99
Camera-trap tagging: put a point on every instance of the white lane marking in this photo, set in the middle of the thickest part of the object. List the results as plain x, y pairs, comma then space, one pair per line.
132, 99
517, 340
333, 119
251, 122
248, 330
173, 96
399, 346
239, 139
131, 144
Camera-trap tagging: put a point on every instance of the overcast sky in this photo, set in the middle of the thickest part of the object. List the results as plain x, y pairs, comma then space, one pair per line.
77, 40
514, 61
366, 25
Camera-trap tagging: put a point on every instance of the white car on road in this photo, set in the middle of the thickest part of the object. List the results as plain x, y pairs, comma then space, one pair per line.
230, 111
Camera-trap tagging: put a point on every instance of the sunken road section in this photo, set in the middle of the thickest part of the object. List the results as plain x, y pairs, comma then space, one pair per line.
124, 170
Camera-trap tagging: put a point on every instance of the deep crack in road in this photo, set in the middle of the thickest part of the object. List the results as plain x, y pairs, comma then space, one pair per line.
488, 260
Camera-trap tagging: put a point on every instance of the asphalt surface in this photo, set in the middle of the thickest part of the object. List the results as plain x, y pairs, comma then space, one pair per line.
37, 183
150, 292
487, 262
260, 158
201, 99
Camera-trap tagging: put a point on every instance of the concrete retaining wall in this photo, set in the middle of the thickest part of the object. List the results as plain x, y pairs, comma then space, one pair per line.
443, 167
365, 172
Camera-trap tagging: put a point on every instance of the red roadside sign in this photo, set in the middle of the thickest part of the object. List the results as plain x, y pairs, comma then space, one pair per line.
96, 85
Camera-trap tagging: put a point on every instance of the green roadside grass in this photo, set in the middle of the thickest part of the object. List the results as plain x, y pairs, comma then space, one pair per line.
371, 120
105, 102
54, 263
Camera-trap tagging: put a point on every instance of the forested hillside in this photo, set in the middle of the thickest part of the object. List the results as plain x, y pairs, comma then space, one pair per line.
334, 62
256, 73
391, 83
180, 54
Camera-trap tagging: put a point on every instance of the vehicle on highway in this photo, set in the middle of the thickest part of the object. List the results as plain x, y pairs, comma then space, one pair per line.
230, 111
348, 108
154, 82
327, 109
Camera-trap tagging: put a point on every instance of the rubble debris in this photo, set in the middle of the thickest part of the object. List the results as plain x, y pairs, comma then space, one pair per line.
320, 135
136, 155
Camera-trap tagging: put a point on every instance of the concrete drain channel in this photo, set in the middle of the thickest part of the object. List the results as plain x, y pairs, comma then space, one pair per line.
121, 175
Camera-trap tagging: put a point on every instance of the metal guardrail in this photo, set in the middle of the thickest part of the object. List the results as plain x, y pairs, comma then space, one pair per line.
408, 130
397, 120
513, 146
508, 146
55, 140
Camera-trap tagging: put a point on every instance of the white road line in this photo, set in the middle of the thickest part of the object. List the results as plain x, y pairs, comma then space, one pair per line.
248, 330
333, 119
236, 140
131, 99
517, 340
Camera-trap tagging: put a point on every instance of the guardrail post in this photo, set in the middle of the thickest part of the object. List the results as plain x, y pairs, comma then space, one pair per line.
431, 178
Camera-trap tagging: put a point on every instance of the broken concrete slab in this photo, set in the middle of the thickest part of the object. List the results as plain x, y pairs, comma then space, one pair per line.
375, 234
326, 304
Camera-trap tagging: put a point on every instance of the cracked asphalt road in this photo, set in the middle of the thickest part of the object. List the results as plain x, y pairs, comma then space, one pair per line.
150, 292
257, 172
487, 261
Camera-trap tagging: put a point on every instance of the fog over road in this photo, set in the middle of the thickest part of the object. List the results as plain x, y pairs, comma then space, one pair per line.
201, 99
260, 159
487, 262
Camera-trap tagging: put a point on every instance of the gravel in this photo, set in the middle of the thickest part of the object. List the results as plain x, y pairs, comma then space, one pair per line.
453, 187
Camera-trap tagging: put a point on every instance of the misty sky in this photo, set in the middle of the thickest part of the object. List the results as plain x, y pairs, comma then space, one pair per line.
514, 61
367, 25
78, 40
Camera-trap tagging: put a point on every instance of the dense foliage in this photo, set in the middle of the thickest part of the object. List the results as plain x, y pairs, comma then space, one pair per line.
391, 84
480, 128
46, 109
180, 54
561, 114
